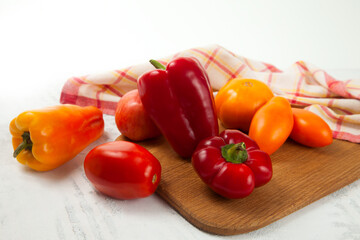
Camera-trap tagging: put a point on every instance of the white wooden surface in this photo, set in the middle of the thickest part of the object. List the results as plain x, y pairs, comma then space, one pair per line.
42, 43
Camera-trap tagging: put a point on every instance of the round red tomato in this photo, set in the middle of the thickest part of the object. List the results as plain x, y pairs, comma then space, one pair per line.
132, 120
123, 170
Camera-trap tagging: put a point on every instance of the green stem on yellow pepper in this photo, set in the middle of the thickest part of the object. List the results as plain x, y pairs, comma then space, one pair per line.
26, 144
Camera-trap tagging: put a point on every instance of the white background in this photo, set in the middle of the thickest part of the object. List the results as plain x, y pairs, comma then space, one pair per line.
42, 43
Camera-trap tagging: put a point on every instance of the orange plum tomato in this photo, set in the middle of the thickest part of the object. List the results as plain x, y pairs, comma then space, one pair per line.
309, 129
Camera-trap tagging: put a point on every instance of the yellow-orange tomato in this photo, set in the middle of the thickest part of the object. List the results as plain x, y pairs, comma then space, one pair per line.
238, 100
310, 129
272, 124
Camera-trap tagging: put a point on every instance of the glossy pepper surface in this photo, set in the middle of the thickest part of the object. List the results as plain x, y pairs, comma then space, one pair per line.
47, 138
232, 164
180, 102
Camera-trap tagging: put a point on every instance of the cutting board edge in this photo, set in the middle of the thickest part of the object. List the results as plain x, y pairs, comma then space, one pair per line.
201, 224
208, 227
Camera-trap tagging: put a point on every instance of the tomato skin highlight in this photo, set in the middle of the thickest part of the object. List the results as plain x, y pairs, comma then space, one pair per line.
309, 129
123, 170
272, 124
238, 100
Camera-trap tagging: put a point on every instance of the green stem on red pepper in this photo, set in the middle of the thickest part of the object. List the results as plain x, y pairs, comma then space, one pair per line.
168, 92
157, 65
234, 153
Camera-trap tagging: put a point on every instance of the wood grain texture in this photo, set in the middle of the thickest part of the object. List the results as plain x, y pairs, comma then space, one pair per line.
301, 176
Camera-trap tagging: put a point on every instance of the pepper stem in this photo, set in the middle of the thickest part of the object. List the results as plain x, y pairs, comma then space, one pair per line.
26, 144
234, 153
157, 65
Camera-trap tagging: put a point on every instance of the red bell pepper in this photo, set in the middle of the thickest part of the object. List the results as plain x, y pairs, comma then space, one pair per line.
232, 164
180, 102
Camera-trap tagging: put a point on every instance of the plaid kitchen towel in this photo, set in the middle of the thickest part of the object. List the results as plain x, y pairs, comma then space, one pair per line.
304, 85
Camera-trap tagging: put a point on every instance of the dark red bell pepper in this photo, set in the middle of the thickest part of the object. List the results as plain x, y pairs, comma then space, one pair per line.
179, 100
232, 164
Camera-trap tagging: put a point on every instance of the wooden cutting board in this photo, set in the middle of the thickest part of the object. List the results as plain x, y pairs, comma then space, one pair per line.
301, 175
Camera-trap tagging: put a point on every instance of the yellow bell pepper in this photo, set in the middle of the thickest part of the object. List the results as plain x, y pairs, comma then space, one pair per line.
47, 138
